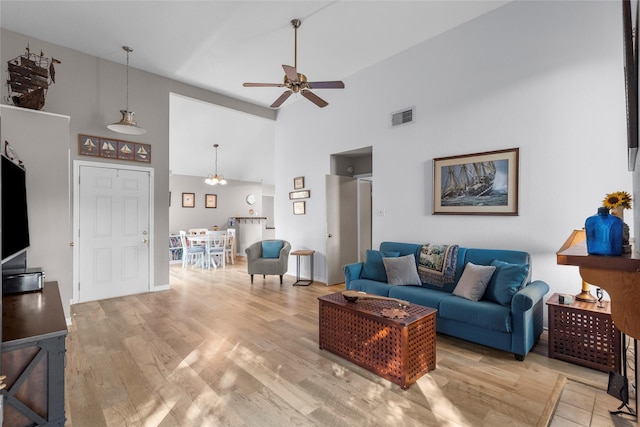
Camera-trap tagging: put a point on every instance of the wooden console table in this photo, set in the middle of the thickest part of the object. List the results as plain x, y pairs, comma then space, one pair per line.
33, 357
618, 275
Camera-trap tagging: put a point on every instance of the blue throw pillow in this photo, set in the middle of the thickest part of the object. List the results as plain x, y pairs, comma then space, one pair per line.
373, 268
506, 281
271, 248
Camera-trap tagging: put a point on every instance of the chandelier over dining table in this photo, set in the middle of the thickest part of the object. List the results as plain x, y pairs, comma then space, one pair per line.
216, 179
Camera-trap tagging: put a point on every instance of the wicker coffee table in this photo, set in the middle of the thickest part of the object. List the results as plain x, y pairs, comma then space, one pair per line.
399, 350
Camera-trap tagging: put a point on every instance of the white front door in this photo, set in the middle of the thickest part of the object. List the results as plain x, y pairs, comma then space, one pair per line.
113, 256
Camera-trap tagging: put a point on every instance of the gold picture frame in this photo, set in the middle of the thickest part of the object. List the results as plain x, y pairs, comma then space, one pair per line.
298, 183
299, 208
304, 194
489, 187
211, 201
188, 200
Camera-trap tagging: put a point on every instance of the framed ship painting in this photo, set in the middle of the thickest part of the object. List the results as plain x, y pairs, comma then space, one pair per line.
476, 184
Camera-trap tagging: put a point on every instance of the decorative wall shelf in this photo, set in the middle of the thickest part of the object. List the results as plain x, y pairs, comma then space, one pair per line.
249, 219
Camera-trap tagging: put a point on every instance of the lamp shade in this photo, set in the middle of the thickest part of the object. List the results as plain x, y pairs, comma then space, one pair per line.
579, 237
127, 124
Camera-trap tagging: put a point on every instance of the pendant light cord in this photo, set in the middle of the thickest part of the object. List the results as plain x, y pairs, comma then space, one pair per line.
128, 49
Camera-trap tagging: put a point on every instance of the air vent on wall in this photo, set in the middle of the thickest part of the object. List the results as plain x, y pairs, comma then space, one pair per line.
403, 117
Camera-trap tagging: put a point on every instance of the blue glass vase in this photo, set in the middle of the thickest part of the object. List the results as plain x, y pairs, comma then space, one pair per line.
604, 233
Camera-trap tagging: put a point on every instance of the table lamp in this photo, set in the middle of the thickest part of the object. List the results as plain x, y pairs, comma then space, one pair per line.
579, 237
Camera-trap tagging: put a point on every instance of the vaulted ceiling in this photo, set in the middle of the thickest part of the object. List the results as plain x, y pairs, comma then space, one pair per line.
218, 45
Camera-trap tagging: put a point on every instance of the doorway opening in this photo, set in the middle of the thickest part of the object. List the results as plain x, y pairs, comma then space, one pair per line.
349, 210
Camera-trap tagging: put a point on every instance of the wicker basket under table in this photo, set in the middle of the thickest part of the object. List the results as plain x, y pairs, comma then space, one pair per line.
399, 350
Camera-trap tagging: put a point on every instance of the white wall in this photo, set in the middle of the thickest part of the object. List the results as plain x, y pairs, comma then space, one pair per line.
546, 77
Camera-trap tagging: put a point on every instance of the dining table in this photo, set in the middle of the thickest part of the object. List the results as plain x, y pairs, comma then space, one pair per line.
205, 239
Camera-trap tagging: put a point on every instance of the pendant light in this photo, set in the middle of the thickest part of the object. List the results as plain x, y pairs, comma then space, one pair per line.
127, 124
216, 179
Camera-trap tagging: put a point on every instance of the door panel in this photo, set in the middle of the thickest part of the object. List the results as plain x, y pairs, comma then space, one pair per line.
114, 225
342, 225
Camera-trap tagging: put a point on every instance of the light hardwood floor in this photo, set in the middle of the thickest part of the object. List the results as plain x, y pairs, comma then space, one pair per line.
215, 350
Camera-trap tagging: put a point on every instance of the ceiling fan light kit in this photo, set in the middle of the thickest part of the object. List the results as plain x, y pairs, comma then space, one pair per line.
297, 82
127, 123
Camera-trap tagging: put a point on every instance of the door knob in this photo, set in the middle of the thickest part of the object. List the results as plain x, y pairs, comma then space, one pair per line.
144, 233
145, 241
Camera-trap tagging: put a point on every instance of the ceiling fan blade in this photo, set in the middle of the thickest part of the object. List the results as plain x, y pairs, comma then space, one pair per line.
314, 98
326, 85
262, 84
278, 102
291, 73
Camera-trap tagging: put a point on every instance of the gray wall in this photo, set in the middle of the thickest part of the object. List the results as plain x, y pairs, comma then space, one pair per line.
41, 141
92, 91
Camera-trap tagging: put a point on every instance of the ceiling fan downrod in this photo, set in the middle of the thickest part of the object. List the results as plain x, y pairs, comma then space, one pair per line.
295, 23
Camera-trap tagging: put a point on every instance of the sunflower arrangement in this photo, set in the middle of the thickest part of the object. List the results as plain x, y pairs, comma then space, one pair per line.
619, 199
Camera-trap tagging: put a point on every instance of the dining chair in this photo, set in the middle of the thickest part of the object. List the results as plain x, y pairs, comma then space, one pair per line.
190, 253
231, 245
216, 248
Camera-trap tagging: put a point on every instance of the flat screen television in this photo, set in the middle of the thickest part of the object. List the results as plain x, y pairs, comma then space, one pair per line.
15, 221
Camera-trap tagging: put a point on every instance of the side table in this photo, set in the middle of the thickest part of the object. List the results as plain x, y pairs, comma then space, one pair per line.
298, 254
584, 334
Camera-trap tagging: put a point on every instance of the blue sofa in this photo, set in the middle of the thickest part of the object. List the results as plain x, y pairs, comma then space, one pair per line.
511, 322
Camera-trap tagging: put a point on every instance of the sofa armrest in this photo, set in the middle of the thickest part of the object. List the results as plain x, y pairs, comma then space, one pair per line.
352, 272
528, 296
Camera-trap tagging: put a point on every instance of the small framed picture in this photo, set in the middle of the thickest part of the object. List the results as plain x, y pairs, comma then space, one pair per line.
188, 200
304, 194
299, 208
88, 145
210, 200
298, 183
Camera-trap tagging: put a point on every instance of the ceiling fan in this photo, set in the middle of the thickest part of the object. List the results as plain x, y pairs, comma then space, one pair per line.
296, 82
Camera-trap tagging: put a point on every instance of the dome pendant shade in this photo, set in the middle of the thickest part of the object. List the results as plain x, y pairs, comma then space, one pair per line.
127, 124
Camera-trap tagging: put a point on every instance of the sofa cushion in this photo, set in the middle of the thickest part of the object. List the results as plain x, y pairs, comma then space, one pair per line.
474, 281
418, 295
506, 281
483, 314
402, 270
373, 268
271, 248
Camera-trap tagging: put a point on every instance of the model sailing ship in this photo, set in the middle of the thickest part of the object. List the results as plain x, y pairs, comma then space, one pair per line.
468, 179
30, 76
